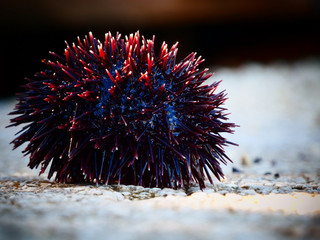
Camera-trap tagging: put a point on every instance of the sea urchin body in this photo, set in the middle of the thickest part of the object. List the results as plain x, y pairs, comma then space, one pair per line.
117, 112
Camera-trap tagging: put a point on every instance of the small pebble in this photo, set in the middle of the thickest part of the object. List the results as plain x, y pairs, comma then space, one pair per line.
257, 160
245, 160
235, 170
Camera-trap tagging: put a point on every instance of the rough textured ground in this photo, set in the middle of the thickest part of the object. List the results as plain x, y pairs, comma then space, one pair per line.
272, 191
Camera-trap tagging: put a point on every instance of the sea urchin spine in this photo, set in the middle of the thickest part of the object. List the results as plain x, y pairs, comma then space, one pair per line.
117, 112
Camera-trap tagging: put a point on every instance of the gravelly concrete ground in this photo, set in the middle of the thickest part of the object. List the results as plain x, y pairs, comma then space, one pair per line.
274, 195
33, 208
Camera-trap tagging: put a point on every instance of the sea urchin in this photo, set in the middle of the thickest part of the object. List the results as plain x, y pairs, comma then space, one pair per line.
117, 112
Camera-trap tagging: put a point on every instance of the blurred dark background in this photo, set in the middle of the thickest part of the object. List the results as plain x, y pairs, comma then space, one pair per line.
224, 32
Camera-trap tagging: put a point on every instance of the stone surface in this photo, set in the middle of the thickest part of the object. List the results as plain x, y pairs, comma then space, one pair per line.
275, 197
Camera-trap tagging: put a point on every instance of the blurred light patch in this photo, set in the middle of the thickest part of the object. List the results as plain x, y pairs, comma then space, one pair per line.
296, 203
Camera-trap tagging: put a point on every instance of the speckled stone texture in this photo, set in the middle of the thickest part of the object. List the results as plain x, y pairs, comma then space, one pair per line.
272, 191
